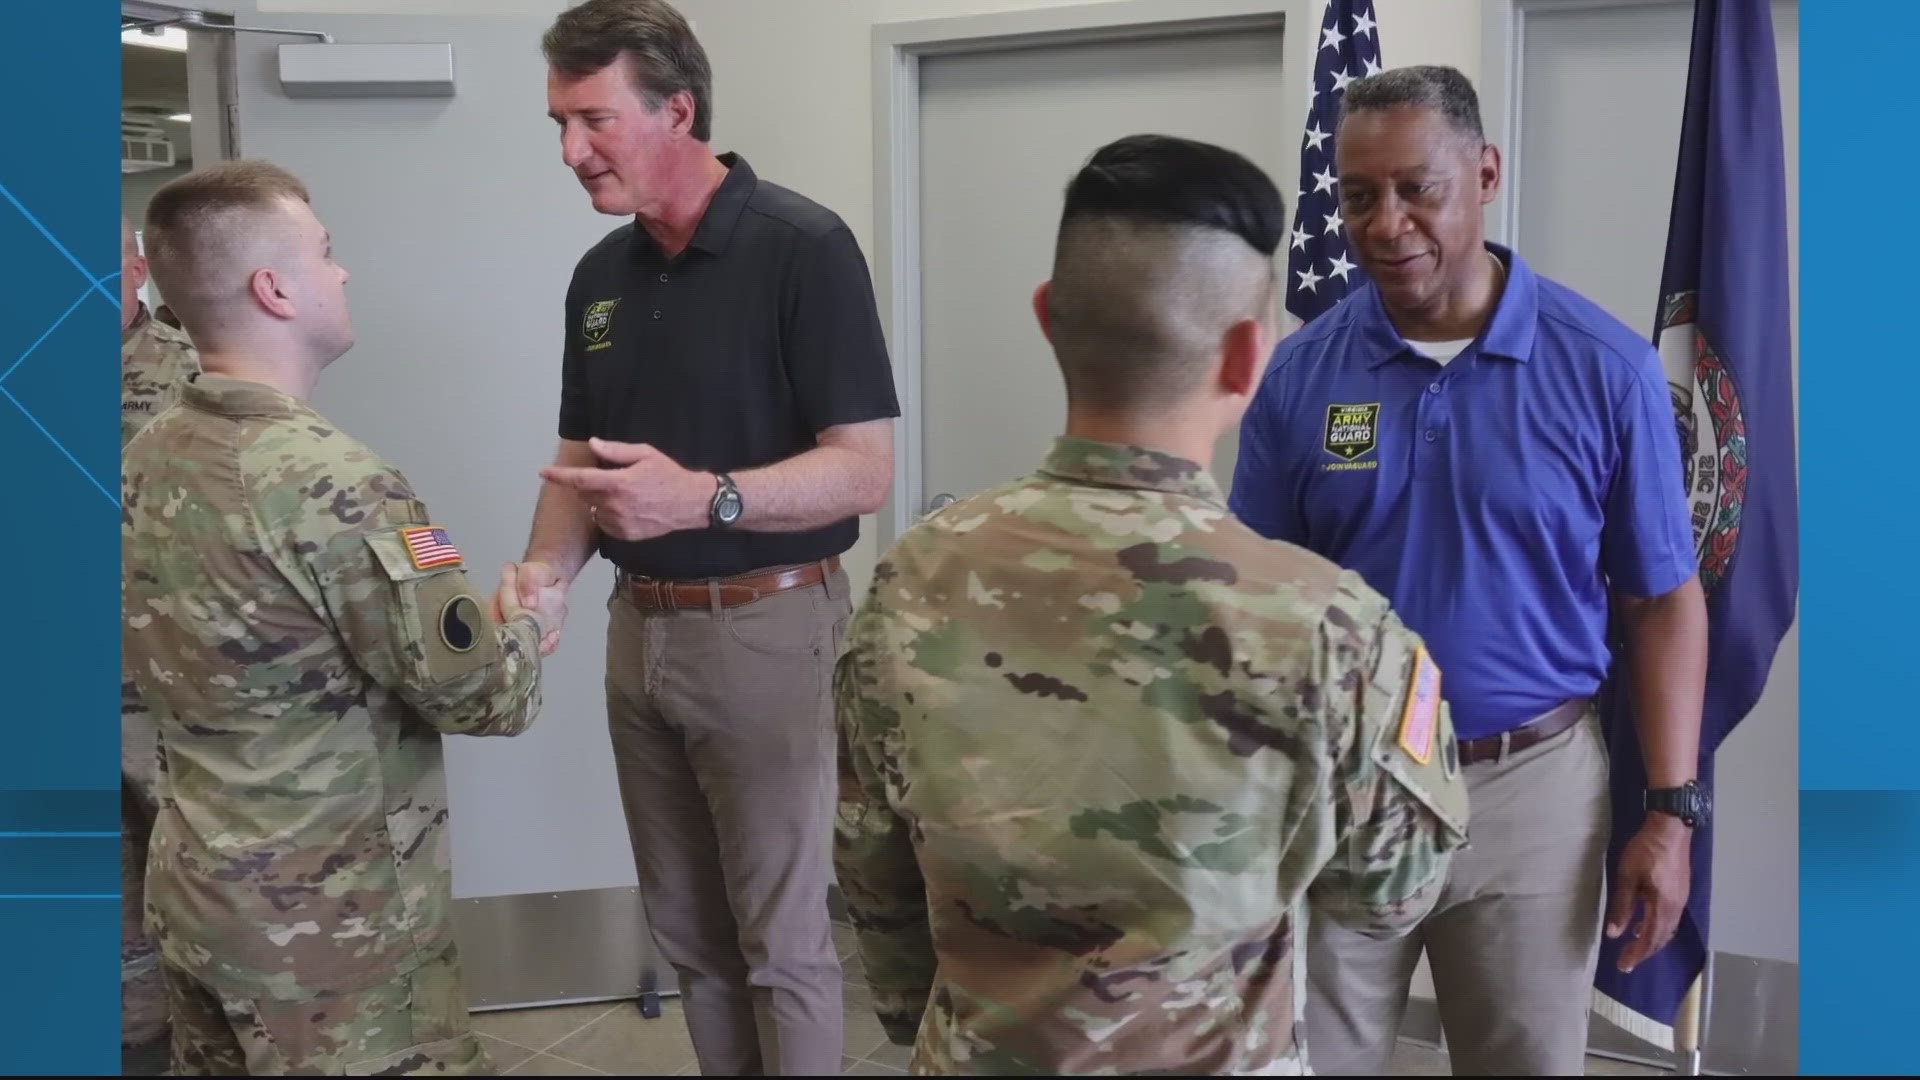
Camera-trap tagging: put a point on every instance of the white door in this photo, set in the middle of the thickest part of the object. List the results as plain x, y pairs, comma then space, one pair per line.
1001, 135
1601, 99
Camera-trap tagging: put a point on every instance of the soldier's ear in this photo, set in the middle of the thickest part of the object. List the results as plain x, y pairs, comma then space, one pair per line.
1242, 355
1040, 308
270, 292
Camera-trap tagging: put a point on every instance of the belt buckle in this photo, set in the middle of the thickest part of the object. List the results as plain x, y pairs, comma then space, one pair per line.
647, 591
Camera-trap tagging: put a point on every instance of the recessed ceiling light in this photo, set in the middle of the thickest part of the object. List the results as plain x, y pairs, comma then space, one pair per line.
172, 38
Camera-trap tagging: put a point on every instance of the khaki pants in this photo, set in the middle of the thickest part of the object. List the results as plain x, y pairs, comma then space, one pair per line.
1512, 941
414, 1025
722, 725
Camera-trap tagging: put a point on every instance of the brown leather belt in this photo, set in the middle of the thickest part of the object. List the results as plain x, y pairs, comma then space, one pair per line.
662, 594
1497, 747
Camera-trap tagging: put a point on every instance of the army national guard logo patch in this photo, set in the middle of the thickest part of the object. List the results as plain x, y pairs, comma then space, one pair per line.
1713, 435
1353, 432
598, 320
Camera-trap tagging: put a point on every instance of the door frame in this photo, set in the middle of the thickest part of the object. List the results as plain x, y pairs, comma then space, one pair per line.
898, 48
210, 74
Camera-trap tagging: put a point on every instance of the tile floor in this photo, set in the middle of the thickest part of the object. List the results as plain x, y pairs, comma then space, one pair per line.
614, 1039
580, 1040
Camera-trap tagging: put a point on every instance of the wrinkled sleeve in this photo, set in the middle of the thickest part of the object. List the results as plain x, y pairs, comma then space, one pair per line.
835, 352
418, 627
1263, 478
1400, 801
873, 849
1647, 544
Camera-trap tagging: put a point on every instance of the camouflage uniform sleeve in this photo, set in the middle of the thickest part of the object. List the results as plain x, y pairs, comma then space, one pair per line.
1400, 802
873, 849
425, 633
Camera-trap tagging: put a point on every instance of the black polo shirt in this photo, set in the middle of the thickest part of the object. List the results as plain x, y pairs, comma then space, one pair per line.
732, 356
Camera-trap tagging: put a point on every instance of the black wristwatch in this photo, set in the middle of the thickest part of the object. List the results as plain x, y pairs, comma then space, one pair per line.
1689, 803
725, 510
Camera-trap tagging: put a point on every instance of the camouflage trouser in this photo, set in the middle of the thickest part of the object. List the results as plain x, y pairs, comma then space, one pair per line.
416, 1024
143, 991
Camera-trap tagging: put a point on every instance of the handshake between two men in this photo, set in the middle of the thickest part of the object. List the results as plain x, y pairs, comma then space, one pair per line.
625, 490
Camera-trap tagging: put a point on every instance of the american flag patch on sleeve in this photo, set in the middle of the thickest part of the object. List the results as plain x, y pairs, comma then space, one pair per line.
1421, 720
430, 548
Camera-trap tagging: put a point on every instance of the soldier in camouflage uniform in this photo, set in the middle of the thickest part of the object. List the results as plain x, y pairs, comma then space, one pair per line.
1101, 742
304, 635
154, 359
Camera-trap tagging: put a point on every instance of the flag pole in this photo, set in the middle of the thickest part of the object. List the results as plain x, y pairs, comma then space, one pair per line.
1689, 1026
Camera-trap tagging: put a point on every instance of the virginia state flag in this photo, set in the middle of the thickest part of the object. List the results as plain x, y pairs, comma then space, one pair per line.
1725, 338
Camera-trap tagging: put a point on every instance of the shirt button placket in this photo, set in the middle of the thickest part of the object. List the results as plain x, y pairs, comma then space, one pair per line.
1432, 417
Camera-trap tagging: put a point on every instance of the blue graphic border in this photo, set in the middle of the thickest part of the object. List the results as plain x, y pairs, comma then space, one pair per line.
59, 440
1860, 514
1860, 810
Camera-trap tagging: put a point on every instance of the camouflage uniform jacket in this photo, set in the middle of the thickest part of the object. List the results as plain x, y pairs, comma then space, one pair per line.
1100, 744
303, 639
154, 359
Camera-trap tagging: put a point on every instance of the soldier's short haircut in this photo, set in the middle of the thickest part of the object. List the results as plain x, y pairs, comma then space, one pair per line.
1164, 245
1422, 86
201, 223
656, 38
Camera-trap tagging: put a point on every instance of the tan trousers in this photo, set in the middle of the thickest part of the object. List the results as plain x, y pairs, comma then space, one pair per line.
722, 725
1512, 942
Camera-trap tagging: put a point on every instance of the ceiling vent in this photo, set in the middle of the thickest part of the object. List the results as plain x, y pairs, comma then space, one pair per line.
144, 145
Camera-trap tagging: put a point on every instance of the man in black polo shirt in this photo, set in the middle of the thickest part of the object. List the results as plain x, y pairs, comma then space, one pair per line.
726, 415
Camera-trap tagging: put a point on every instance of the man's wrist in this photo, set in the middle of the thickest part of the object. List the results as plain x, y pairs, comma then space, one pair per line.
704, 485
1660, 821
1681, 807
532, 616
1657, 781
558, 566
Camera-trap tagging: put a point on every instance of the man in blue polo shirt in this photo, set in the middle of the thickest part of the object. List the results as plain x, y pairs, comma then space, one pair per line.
1498, 456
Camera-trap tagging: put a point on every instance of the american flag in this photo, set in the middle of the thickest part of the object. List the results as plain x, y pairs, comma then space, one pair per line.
1318, 272
430, 548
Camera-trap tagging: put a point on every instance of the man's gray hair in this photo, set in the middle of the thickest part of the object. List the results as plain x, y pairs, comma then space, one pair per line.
1425, 86
667, 58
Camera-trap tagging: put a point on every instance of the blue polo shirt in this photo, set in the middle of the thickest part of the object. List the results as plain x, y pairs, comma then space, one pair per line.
1495, 500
